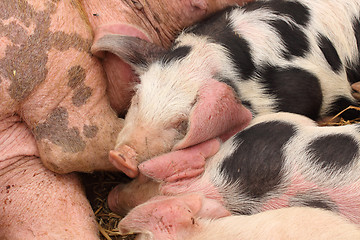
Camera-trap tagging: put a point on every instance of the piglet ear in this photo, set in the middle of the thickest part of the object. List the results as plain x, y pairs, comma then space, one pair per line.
171, 217
135, 51
162, 216
217, 113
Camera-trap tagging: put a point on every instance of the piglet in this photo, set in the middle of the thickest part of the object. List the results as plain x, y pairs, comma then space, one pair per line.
179, 218
280, 160
268, 56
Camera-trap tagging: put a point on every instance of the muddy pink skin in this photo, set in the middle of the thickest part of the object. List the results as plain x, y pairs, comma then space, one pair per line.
38, 203
53, 111
155, 21
50, 79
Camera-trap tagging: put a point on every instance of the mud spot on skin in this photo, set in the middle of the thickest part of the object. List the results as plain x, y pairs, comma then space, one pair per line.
7, 188
56, 130
90, 131
28, 55
76, 76
63, 41
82, 93
15, 33
11, 8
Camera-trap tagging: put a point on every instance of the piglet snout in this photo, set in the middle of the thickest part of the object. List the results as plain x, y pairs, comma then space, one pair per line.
115, 201
124, 197
124, 158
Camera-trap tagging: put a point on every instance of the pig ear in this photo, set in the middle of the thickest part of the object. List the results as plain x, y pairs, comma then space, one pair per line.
171, 217
156, 215
183, 164
138, 53
217, 113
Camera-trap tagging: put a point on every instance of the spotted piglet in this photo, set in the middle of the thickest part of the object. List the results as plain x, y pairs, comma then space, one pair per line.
297, 56
281, 160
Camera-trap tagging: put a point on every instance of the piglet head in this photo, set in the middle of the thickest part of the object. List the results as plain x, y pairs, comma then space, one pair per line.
179, 102
170, 218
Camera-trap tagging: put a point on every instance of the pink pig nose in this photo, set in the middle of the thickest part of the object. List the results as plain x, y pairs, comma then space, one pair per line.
124, 158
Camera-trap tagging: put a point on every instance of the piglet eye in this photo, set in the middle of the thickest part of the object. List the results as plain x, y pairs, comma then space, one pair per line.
182, 127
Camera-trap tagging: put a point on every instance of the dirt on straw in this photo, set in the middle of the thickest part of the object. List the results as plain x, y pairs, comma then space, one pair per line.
98, 186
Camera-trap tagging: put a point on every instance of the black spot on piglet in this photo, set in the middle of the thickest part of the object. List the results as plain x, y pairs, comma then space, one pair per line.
324, 151
313, 198
294, 39
297, 11
176, 54
257, 162
353, 72
330, 53
218, 29
280, 82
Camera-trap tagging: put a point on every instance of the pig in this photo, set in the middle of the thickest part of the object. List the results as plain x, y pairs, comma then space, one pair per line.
300, 223
53, 110
280, 160
56, 107
264, 57
153, 21
240, 63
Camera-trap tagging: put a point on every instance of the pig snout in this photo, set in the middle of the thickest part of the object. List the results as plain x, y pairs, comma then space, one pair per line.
139, 141
124, 158
127, 156
124, 197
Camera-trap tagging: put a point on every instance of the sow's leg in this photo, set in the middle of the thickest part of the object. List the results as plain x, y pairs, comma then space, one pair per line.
35, 202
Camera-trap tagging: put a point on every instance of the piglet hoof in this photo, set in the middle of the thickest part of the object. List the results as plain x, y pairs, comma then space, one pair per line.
356, 90
124, 158
125, 197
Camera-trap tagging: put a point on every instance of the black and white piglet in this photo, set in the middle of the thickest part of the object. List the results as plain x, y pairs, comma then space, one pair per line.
297, 56
281, 160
